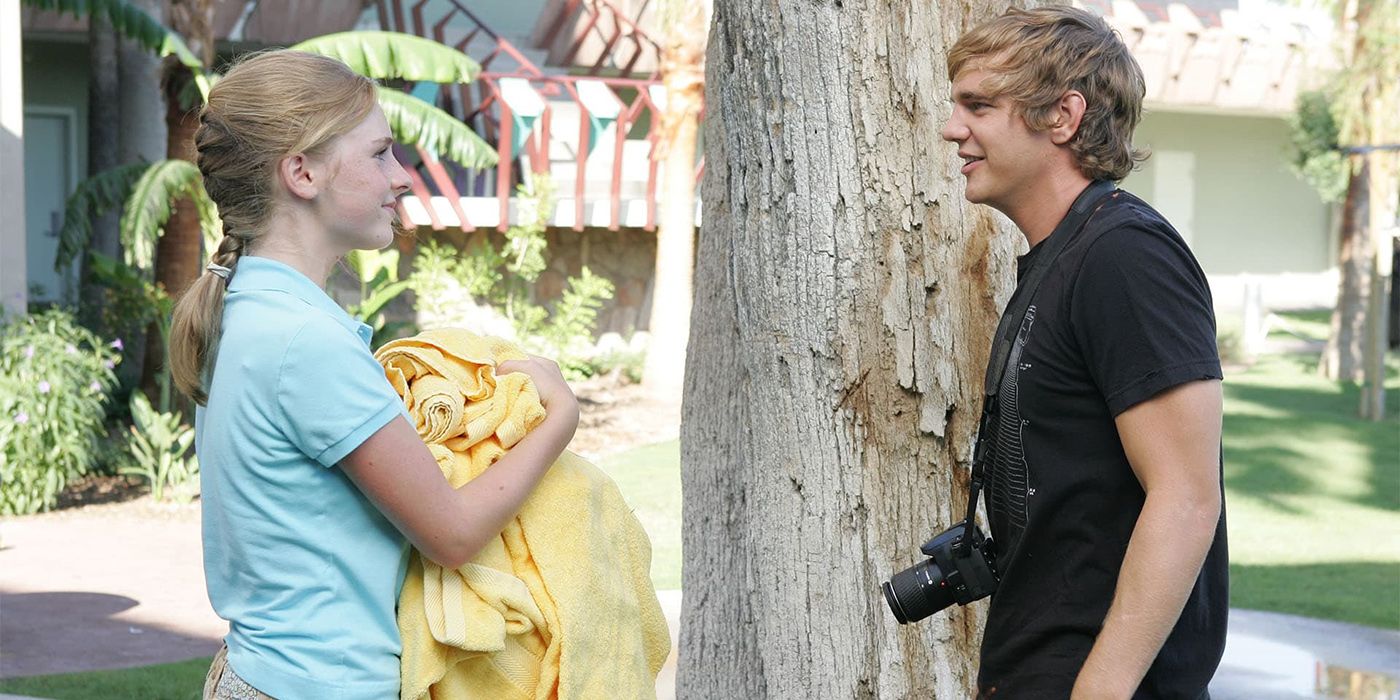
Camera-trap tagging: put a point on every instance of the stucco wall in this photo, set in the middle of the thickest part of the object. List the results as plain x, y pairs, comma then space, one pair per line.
1244, 211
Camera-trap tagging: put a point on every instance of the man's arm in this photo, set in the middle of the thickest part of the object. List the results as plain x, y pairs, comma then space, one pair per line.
1173, 443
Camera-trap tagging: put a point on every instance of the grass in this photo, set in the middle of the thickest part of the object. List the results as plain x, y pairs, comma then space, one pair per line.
178, 681
650, 479
1313, 492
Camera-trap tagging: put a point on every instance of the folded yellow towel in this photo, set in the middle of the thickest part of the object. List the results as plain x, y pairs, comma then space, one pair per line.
561, 605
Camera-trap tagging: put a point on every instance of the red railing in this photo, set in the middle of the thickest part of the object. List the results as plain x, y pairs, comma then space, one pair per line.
482, 106
391, 18
495, 116
619, 27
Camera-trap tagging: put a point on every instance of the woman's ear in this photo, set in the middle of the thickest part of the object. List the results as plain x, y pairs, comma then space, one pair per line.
299, 176
1068, 114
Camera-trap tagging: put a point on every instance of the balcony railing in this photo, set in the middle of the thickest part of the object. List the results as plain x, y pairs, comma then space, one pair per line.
593, 135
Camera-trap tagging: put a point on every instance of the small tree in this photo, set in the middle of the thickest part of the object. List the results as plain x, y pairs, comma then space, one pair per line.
1364, 106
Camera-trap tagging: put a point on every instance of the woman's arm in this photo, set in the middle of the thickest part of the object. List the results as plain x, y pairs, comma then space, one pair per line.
398, 474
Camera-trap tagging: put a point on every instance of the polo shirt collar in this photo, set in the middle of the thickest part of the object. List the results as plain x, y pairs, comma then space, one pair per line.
255, 273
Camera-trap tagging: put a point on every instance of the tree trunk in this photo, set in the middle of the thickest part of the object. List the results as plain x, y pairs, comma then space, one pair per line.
1341, 360
177, 253
178, 250
1382, 184
104, 96
142, 138
846, 295
682, 71
143, 132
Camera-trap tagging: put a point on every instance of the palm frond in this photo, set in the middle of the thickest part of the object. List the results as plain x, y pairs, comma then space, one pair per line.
133, 23
383, 55
414, 121
149, 208
92, 198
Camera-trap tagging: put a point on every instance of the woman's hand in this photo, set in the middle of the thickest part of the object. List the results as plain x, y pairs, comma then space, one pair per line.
398, 473
556, 396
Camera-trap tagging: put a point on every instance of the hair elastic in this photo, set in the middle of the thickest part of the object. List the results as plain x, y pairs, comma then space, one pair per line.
218, 269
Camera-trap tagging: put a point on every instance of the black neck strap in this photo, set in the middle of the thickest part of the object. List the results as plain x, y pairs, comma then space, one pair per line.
1079, 214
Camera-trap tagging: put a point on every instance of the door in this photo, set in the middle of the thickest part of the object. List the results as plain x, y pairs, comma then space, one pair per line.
50, 174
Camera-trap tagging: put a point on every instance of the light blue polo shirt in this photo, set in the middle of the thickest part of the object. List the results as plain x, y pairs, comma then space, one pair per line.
306, 570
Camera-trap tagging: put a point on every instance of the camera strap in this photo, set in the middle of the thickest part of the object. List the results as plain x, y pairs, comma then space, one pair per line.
1079, 214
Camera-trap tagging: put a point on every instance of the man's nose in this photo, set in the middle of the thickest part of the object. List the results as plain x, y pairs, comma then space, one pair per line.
954, 130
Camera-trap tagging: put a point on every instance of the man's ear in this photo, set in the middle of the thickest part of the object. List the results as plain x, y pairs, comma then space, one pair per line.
298, 175
1068, 113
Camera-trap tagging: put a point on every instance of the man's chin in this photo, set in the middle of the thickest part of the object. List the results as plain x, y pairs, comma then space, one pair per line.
972, 194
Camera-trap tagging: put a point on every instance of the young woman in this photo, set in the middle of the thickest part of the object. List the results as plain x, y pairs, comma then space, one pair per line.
314, 482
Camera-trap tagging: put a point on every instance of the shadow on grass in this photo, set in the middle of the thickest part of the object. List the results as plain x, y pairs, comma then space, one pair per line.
1361, 592
1311, 440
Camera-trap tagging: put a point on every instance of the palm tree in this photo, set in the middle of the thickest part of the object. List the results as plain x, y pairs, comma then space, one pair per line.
169, 219
150, 193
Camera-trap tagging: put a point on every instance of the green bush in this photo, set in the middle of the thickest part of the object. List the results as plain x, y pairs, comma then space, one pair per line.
490, 291
159, 444
626, 362
54, 380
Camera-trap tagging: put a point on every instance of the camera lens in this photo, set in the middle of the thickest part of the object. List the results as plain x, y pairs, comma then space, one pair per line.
917, 592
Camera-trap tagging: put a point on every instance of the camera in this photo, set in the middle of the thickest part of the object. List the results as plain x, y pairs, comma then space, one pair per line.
956, 572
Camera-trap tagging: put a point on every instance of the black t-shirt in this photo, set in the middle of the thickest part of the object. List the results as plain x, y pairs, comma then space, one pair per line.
1124, 313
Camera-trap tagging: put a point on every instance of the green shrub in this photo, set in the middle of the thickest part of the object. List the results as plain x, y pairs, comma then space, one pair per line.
54, 380
159, 443
490, 291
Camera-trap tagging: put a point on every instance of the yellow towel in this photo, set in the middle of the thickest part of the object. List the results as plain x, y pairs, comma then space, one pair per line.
561, 605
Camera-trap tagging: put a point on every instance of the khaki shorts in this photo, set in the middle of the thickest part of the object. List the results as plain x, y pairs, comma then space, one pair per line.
223, 684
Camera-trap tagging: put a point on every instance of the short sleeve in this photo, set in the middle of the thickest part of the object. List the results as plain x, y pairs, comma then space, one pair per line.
1141, 312
332, 393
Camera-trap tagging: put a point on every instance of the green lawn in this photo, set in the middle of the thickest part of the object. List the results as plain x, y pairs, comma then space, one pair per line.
177, 681
650, 479
1313, 495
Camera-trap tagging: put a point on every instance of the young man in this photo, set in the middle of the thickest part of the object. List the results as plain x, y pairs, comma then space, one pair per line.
1104, 493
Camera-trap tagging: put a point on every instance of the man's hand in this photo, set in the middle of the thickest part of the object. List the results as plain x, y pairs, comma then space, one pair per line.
1173, 443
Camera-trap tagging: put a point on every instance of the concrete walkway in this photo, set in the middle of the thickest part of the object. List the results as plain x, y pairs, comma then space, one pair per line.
100, 589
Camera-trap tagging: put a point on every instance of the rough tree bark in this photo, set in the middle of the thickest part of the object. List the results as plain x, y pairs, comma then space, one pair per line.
682, 72
845, 298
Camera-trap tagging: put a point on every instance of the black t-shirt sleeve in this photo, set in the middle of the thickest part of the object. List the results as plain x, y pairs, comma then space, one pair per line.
1141, 313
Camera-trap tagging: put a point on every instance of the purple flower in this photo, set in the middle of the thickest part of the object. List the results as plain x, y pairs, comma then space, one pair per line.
117, 345
108, 364
44, 387
95, 386
21, 418
29, 352
71, 350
